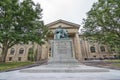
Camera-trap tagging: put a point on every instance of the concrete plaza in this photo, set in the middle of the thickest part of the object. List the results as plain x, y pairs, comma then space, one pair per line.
18, 75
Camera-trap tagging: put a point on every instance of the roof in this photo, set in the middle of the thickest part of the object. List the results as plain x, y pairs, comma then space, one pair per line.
63, 21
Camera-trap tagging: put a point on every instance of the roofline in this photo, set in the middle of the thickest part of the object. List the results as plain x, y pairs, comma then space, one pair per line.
62, 21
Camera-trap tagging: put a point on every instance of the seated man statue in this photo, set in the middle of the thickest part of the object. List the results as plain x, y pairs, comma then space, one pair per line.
60, 33
65, 32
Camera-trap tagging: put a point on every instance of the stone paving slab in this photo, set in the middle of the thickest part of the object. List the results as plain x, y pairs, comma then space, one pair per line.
16, 75
64, 70
61, 68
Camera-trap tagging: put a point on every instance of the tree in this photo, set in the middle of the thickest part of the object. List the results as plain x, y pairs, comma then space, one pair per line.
20, 21
103, 22
31, 54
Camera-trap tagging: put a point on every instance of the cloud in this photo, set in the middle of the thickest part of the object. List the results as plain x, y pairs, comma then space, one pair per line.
70, 10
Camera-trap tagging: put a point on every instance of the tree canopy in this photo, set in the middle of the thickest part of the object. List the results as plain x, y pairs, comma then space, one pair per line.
103, 22
20, 21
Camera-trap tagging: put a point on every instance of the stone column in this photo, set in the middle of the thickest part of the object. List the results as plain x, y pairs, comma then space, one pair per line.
87, 48
78, 48
73, 49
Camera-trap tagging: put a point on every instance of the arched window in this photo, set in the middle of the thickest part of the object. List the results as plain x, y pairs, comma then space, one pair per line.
12, 51
92, 49
21, 51
102, 48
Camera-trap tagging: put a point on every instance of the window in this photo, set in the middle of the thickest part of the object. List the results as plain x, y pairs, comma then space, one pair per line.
19, 58
92, 49
50, 49
12, 51
21, 51
94, 56
10, 58
102, 48
115, 56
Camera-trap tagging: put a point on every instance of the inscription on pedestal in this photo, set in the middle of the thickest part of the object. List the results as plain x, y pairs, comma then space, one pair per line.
62, 49
62, 52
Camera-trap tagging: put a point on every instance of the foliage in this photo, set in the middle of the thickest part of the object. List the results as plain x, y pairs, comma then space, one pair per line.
32, 55
117, 65
103, 22
20, 21
12, 65
113, 61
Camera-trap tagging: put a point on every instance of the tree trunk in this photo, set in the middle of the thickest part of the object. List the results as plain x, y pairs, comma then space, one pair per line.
4, 53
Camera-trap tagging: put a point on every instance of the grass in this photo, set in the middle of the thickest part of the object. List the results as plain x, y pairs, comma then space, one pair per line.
114, 61
12, 65
116, 64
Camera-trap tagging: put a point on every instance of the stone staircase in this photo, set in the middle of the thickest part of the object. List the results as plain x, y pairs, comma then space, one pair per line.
63, 68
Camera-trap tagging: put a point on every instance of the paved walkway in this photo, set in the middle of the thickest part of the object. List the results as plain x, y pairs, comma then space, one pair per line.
17, 75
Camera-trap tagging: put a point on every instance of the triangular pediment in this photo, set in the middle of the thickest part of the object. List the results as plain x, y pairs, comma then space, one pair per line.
62, 23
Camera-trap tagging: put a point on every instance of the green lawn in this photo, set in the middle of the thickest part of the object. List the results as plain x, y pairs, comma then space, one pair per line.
11, 65
114, 63
117, 64
112, 60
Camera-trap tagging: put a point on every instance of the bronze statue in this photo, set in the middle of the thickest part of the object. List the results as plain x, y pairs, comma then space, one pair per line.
60, 33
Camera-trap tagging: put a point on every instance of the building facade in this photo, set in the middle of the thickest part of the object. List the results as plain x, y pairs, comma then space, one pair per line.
82, 49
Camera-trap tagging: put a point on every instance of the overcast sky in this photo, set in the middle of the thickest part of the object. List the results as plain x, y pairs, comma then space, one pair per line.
69, 10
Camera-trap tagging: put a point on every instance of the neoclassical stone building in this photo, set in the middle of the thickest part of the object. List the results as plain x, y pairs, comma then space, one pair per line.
81, 48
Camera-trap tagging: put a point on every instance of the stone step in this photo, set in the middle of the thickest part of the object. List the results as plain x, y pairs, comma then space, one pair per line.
69, 61
63, 70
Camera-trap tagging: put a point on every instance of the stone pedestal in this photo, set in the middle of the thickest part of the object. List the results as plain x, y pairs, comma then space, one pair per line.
62, 51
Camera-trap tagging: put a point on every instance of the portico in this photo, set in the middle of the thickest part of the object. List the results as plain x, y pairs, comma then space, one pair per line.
72, 30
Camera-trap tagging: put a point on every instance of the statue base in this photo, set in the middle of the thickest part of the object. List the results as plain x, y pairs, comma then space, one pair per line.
62, 51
